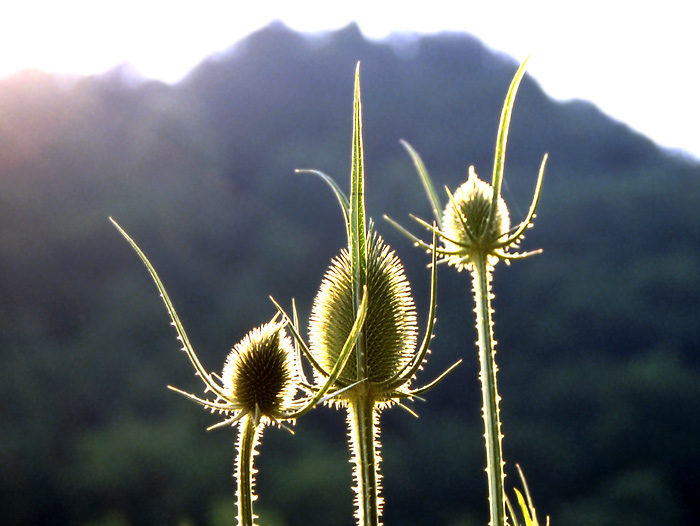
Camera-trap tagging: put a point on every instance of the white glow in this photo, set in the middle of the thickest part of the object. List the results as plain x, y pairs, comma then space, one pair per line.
635, 60
160, 39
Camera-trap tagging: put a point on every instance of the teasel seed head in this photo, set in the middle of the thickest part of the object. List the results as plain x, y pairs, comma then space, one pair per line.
475, 224
468, 226
260, 373
390, 329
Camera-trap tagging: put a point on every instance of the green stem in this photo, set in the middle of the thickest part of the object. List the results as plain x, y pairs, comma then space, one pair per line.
363, 436
492, 425
249, 433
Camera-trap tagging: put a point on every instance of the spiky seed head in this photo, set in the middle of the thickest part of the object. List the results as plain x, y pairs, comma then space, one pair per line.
390, 328
261, 371
473, 203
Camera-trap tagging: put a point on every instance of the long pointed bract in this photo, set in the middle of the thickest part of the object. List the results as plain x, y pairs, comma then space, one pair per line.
533, 206
502, 139
427, 183
358, 248
173, 315
339, 194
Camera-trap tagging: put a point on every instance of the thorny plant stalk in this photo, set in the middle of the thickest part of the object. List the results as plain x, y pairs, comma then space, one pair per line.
385, 358
475, 233
258, 384
248, 437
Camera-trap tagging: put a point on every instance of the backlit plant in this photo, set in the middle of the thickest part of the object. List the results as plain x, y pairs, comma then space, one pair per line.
258, 384
386, 357
363, 343
475, 232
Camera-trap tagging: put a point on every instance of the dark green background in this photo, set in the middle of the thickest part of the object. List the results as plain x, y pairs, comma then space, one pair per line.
597, 337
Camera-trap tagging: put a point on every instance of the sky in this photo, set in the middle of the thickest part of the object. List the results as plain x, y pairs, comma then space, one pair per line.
637, 61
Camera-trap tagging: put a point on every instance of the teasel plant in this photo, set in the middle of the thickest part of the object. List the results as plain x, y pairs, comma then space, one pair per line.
259, 384
475, 234
385, 357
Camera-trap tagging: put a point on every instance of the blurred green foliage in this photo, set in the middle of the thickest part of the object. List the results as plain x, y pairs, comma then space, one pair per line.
598, 336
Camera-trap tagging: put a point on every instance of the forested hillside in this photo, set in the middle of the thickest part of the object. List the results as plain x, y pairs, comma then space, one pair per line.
598, 336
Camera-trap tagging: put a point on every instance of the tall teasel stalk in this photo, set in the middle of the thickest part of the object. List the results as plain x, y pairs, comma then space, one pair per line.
259, 383
475, 232
385, 358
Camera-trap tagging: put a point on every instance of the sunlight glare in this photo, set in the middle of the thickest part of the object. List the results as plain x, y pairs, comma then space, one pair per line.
159, 39
640, 73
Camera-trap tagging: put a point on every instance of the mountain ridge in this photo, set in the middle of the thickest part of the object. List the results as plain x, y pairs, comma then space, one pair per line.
453, 66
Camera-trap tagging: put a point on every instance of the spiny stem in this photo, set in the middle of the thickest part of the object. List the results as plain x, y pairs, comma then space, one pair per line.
363, 431
481, 275
249, 433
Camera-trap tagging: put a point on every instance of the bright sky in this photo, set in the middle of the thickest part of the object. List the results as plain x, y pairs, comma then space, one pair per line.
637, 61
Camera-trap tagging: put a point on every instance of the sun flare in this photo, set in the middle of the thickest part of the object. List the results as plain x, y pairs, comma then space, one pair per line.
158, 39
